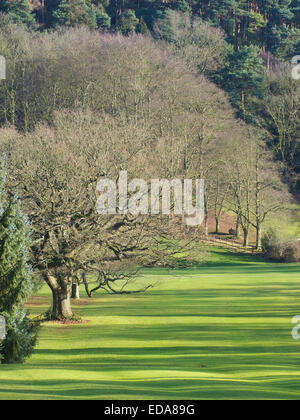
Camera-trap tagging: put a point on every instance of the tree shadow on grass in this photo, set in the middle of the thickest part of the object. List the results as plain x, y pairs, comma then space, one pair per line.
149, 389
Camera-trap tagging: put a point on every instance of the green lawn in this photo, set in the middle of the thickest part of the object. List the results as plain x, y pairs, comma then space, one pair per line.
218, 331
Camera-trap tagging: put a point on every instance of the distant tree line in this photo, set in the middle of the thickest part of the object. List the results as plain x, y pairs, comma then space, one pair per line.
242, 46
272, 25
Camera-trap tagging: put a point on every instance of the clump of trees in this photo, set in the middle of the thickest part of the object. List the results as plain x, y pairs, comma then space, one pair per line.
278, 113
256, 189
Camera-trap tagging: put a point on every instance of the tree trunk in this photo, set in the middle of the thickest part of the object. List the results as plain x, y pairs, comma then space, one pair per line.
217, 225
206, 224
75, 291
86, 284
61, 302
238, 227
205, 218
61, 305
243, 103
258, 238
246, 237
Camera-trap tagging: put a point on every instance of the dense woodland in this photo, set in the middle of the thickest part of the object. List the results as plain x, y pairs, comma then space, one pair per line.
243, 47
272, 25
172, 89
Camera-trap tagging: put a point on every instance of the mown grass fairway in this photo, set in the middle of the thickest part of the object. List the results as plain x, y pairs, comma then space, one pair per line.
218, 331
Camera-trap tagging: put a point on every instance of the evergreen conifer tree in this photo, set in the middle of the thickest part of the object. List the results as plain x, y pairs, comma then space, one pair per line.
20, 12
16, 280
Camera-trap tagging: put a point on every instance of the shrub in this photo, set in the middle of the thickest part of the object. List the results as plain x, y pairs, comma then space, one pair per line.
279, 249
